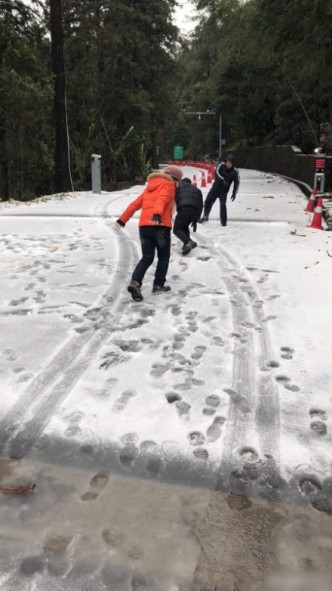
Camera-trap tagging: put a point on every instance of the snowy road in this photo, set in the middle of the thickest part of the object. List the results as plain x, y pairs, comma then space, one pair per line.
224, 383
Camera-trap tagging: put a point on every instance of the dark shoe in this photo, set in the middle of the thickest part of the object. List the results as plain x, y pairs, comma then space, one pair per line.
160, 289
188, 247
204, 218
135, 289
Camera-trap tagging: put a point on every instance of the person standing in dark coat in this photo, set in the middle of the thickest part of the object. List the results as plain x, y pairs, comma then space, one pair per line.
189, 205
226, 174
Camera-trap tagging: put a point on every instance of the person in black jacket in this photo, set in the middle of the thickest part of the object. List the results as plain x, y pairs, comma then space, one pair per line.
226, 174
189, 205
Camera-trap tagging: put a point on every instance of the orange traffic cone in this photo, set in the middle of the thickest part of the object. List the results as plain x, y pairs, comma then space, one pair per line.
209, 179
312, 202
317, 217
194, 182
203, 183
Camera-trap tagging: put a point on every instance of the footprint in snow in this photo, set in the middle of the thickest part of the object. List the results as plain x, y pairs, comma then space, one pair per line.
201, 453
319, 428
172, 397
97, 484
159, 369
121, 402
196, 438
273, 364
199, 352
213, 400
318, 413
287, 352
128, 455
214, 431
150, 459
209, 411
183, 408
291, 387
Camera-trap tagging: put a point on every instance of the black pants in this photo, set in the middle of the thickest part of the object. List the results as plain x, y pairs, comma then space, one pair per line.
183, 219
217, 193
154, 238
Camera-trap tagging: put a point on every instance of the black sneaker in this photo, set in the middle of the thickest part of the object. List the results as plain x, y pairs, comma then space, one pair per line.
188, 247
160, 289
135, 289
203, 219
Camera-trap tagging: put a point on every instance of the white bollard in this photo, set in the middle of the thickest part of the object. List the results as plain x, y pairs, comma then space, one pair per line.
95, 173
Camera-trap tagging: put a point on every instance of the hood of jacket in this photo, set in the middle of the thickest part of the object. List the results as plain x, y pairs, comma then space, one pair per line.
230, 158
155, 179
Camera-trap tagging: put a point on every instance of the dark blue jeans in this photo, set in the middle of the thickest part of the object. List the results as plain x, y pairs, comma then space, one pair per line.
217, 192
154, 238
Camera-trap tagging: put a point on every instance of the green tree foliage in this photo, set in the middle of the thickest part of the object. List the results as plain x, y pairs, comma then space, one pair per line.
263, 64
63, 182
25, 103
299, 36
118, 54
118, 58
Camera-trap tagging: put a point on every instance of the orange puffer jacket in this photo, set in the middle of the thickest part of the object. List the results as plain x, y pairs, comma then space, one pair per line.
157, 197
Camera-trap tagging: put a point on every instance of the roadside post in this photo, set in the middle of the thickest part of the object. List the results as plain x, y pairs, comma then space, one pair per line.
319, 179
95, 173
318, 190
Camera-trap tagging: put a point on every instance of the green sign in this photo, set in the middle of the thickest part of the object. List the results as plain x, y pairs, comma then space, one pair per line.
178, 152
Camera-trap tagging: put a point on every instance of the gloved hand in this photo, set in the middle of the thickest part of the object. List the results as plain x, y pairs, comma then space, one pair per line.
119, 224
225, 184
233, 197
156, 218
194, 226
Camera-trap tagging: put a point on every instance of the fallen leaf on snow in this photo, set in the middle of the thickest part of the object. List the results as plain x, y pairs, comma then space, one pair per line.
18, 489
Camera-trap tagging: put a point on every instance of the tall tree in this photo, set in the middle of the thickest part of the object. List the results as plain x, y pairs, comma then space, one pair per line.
25, 159
270, 76
61, 152
118, 58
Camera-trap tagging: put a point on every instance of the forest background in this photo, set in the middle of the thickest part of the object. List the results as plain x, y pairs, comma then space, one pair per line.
118, 78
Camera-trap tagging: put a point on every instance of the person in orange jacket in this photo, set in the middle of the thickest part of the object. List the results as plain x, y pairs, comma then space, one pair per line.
155, 223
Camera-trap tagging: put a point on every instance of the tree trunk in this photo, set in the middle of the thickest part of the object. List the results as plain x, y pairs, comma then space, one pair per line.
61, 153
4, 172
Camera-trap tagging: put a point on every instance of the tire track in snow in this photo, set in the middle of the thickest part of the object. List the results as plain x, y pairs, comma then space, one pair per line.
267, 398
254, 403
253, 417
25, 421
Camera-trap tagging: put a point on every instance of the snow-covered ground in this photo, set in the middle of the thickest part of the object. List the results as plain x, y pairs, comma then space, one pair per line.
133, 419
233, 366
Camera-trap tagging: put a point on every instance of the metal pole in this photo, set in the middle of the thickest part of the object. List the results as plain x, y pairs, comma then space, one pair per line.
220, 136
199, 113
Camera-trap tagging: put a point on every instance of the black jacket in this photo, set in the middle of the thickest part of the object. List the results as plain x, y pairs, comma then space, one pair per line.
225, 177
189, 196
